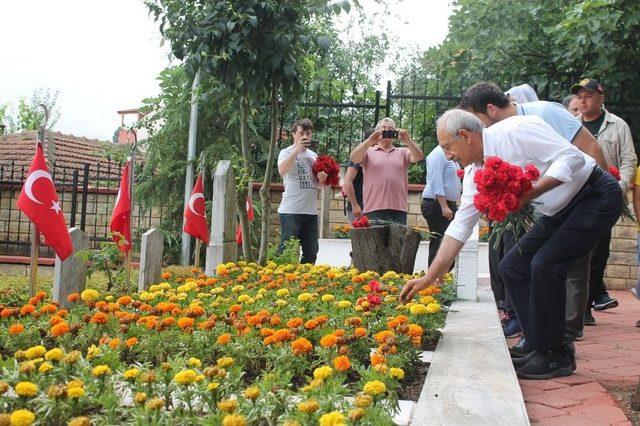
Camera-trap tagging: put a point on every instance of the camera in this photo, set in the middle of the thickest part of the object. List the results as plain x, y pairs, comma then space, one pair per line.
389, 134
313, 144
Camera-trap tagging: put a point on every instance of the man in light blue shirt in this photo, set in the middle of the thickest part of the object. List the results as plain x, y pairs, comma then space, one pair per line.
439, 197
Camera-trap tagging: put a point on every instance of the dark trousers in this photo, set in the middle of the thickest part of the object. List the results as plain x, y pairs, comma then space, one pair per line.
388, 215
432, 213
304, 227
599, 260
577, 295
536, 270
496, 254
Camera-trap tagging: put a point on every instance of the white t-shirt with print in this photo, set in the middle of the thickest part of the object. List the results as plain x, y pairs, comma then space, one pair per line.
300, 185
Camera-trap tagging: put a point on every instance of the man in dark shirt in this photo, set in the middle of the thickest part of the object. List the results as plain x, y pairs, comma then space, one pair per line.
352, 186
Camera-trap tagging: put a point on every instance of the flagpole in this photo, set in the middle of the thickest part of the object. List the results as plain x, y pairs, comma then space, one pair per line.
127, 256
191, 153
35, 234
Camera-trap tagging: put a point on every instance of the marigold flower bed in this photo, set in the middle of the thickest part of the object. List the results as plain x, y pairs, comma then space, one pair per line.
286, 345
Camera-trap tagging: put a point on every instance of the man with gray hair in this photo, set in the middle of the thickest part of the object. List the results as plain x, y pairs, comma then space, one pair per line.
578, 204
386, 183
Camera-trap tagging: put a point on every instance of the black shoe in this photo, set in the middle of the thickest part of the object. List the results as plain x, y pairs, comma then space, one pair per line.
519, 362
638, 323
588, 318
580, 336
604, 302
546, 364
520, 349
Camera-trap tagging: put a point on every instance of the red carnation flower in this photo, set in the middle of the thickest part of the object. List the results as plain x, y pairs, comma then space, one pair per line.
327, 164
460, 173
614, 172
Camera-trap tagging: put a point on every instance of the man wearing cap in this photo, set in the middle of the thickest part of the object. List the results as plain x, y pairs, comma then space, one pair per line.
614, 137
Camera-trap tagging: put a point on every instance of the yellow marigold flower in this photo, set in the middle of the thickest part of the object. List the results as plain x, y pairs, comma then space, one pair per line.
396, 373
328, 298
280, 303
44, 367
305, 297
72, 357
75, 392
131, 373
334, 418
228, 405
213, 386
234, 420
5, 419
22, 418
4, 387
79, 421
237, 288
291, 423
55, 354
375, 387
427, 299
93, 352
26, 389
418, 309
225, 362
140, 398
154, 404
35, 352
146, 296
185, 377
363, 400
322, 372
356, 414
243, 298
101, 370
252, 393
194, 362
89, 295
75, 384
433, 308
283, 292
308, 407
221, 269
344, 304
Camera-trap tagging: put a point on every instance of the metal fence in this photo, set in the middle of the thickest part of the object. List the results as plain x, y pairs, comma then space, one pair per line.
87, 195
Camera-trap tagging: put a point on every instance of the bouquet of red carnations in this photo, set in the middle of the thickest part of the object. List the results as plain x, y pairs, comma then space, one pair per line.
501, 186
329, 165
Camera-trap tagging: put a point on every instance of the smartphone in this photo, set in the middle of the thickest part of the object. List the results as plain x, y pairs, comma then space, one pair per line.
313, 145
389, 134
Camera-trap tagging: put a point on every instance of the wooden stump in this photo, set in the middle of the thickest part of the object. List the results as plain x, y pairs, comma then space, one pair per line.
385, 248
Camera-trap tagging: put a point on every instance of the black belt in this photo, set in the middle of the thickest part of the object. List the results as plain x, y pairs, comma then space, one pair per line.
594, 176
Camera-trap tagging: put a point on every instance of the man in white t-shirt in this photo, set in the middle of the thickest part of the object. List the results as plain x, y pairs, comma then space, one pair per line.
298, 211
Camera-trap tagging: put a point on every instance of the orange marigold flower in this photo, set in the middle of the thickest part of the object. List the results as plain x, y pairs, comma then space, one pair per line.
264, 332
16, 329
99, 318
101, 304
114, 343
168, 321
185, 322
27, 310
235, 308
6, 312
377, 359
275, 320
131, 341
415, 330
59, 329
342, 363
166, 275
382, 336
145, 307
360, 332
62, 313
295, 322
224, 339
41, 295
283, 335
339, 332
55, 320
73, 297
125, 300
301, 346
328, 340
34, 301
48, 308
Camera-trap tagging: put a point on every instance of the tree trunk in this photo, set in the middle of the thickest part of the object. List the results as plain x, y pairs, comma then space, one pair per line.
265, 190
242, 194
385, 248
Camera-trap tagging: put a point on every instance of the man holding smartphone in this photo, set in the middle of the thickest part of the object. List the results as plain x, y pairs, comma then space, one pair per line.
386, 183
298, 211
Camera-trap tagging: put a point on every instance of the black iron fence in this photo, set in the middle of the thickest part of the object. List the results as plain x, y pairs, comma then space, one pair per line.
87, 196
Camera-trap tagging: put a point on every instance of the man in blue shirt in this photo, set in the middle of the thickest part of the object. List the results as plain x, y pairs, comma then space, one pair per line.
439, 197
489, 103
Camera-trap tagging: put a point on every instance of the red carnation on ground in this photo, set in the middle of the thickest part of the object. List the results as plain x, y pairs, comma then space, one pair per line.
614, 172
362, 222
329, 165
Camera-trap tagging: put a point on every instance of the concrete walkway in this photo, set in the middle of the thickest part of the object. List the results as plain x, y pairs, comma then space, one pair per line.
609, 353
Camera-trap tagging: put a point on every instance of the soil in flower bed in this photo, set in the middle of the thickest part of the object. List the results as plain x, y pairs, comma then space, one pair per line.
622, 394
411, 390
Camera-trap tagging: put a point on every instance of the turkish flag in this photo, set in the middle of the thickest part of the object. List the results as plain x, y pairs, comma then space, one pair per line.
121, 217
195, 216
250, 216
38, 200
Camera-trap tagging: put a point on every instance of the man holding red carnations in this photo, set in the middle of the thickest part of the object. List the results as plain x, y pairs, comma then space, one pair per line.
577, 201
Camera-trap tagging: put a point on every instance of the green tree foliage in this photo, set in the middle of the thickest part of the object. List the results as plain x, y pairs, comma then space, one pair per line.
29, 115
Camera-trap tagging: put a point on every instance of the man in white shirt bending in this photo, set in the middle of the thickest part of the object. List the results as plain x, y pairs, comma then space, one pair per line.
579, 203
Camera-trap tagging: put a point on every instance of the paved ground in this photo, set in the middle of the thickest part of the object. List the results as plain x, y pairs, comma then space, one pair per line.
609, 353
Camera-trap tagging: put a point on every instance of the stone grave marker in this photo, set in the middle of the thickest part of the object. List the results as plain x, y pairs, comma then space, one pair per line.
150, 259
222, 246
70, 276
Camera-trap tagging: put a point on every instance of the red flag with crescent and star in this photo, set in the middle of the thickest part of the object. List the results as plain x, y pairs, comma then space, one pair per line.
195, 217
121, 217
39, 201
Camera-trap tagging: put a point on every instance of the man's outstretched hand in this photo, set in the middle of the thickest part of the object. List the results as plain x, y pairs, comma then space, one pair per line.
411, 288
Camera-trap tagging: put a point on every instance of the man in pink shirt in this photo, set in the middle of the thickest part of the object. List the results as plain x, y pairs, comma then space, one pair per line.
386, 185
